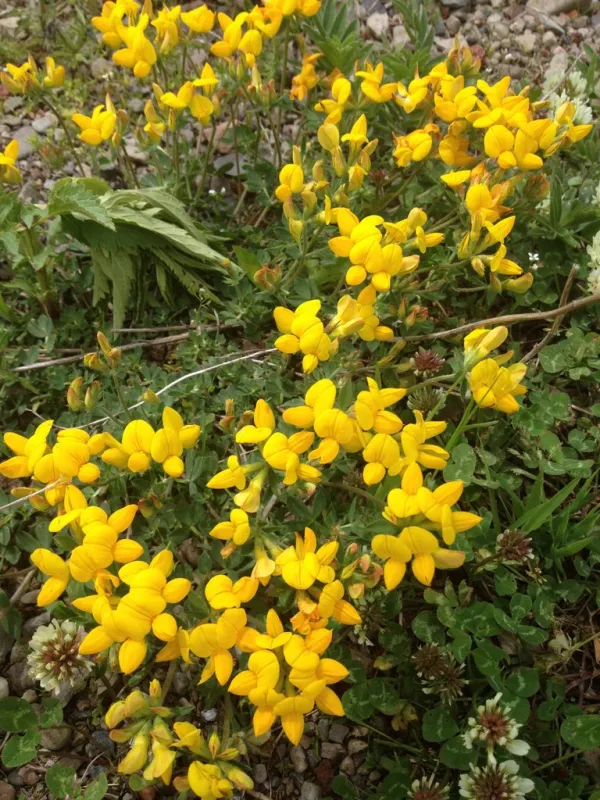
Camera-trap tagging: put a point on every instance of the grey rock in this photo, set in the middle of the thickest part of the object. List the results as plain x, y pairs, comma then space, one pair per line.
43, 123
11, 120
100, 67
33, 623
456, 3
494, 18
356, 745
7, 792
527, 41
323, 728
29, 695
399, 36
549, 39
23, 135
19, 678
517, 25
29, 598
56, 738
500, 32
100, 742
310, 791
348, 766
378, 24
49, 184
331, 751
338, 732
6, 644
4, 688
298, 759
181, 683
453, 24
209, 714
137, 155
12, 103
9, 24
497, 3
19, 652
260, 773
30, 776
58, 135
230, 162
136, 104
15, 779
560, 61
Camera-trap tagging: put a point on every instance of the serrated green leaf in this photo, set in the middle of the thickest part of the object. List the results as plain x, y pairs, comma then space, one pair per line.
71, 197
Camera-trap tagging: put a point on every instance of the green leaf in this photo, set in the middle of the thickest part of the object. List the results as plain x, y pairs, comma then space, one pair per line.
59, 780
455, 755
97, 789
582, 731
376, 694
16, 715
532, 635
438, 725
344, 787
71, 197
461, 646
52, 713
20, 750
462, 464
520, 606
357, 702
427, 628
505, 582
533, 519
523, 682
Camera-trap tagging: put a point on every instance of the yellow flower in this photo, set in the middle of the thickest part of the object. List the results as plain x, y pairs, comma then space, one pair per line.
234, 475
207, 80
292, 710
236, 530
370, 409
199, 20
453, 100
138, 54
58, 575
221, 592
133, 451
411, 97
301, 566
97, 128
481, 341
249, 499
213, 641
283, 453
341, 94
415, 449
335, 429
437, 507
419, 545
169, 442
263, 672
208, 782
177, 646
303, 332
497, 387
319, 397
137, 756
101, 547
382, 454
416, 146
55, 75
28, 451
111, 16
167, 28
181, 100
332, 604
371, 85
307, 78
20, 80
264, 425
8, 171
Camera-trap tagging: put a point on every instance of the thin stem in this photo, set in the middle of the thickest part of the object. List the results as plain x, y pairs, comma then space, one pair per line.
119, 392
69, 138
168, 680
176, 155
558, 760
353, 490
469, 411
129, 165
209, 149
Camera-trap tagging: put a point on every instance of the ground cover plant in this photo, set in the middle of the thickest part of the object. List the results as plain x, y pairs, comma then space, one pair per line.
339, 508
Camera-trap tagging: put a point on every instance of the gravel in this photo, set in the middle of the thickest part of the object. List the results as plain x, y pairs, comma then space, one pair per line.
338, 732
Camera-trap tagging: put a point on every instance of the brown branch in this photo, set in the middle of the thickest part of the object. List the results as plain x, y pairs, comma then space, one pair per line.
19, 591
506, 319
557, 320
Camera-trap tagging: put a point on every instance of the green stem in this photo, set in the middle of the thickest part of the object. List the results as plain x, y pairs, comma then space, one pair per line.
168, 681
183, 61
130, 168
443, 399
353, 490
209, 149
469, 411
68, 136
117, 386
558, 760
176, 156
579, 645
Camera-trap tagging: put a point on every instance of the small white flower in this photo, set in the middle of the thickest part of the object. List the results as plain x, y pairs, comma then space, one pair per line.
495, 780
593, 251
54, 659
533, 257
495, 728
593, 281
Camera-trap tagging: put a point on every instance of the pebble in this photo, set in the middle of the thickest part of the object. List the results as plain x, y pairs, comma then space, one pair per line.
56, 738
15, 779
456, 3
323, 726
23, 135
30, 777
30, 696
181, 683
453, 24
260, 773
399, 36
527, 41
209, 714
33, 623
19, 678
356, 745
500, 31
100, 67
6, 644
43, 123
298, 759
338, 732
100, 742
12, 103
7, 792
30, 598
331, 750
4, 688
310, 791
348, 766
378, 24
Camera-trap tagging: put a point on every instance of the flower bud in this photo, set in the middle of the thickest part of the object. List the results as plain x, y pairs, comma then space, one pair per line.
92, 361
214, 744
356, 590
91, 395
478, 266
74, 394
239, 779
103, 342
149, 396
114, 356
537, 187
329, 137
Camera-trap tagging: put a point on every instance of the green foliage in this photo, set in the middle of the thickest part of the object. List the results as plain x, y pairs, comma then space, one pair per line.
337, 36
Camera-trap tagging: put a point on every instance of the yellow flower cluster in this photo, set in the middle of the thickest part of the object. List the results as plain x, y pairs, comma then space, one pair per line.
26, 78
156, 744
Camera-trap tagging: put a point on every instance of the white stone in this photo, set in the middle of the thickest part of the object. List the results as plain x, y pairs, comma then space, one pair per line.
378, 24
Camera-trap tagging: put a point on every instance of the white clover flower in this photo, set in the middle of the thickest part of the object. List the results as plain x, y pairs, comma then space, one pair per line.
55, 660
593, 251
495, 780
593, 281
577, 83
495, 728
427, 789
